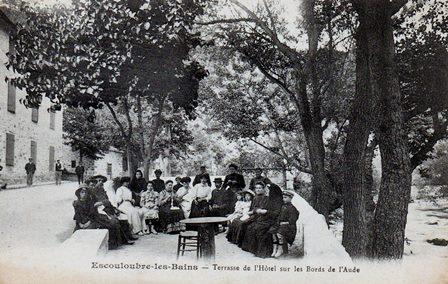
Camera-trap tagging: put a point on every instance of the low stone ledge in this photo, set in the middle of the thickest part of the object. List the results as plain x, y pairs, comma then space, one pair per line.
87, 243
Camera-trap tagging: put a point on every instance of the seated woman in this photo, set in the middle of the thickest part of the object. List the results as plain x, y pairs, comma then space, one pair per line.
284, 231
238, 219
170, 212
126, 205
149, 201
87, 217
264, 214
200, 195
184, 197
137, 185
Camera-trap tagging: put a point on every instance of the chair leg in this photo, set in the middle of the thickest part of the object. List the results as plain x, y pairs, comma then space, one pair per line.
178, 246
183, 247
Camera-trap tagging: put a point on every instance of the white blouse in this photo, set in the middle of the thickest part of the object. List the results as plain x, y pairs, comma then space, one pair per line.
123, 194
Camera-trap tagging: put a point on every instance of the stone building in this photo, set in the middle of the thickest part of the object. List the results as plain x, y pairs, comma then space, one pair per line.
24, 132
109, 165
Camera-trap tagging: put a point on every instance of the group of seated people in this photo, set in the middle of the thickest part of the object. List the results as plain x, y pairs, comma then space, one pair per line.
261, 222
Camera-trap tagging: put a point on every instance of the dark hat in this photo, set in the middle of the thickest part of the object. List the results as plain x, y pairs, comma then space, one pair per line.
217, 180
185, 179
125, 179
103, 178
169, 181
203, 167
81, 187
288, 193
258, 169
233, 166
157, 171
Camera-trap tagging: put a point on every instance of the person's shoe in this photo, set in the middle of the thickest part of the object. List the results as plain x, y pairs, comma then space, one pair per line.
153, 231
274, 251
140, 233
133, 238
279, 251
129, 243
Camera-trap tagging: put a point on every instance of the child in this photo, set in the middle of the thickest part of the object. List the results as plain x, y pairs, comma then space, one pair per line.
284, 231
248, 196
149, 200
239, 206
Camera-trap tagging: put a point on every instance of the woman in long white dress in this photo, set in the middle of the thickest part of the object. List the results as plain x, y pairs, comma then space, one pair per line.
184, 196
126, 204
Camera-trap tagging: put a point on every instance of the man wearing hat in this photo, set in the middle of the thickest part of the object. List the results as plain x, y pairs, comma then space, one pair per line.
221, 198
235, 182
158, 183
258, 177
284, 231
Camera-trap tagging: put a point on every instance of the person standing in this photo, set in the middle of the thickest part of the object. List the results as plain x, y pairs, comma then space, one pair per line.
30, 169
258, 177
158, 183
58, 172
203, 173
79, 170
177, 185
235, 182
219, 203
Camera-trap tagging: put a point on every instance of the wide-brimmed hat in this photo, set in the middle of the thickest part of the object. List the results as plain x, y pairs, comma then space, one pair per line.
288, 193
217, 180
81, 187
103, 178
248, 191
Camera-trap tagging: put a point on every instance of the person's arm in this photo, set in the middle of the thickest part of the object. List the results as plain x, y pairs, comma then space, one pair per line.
293, 216
196, 180
241, 181
224, 184
209, 182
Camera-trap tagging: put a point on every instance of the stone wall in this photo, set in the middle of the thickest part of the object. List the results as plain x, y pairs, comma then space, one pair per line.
25, 130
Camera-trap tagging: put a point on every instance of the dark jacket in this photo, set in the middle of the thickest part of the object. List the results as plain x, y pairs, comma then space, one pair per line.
30, 168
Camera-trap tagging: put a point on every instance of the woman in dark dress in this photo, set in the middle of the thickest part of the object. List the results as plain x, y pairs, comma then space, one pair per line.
87, 217
170, 212
137, 185
257, 238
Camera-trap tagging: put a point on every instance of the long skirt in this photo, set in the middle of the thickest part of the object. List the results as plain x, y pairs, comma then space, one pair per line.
237, 230
135, 216
169, 219
257, 238
199, 209
112, 225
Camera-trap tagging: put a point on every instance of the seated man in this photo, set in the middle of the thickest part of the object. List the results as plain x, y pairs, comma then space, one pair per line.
220, 200
284, 231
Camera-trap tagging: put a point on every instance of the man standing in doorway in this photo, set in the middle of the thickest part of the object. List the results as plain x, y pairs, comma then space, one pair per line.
79, 170
58, 172
30, 169
197, 178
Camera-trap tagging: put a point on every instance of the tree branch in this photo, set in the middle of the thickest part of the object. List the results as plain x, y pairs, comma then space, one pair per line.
396, 5
225, 21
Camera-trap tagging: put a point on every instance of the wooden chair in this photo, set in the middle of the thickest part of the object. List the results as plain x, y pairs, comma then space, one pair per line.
188, 241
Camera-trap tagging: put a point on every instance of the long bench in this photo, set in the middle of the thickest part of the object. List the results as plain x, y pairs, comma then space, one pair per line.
87, 243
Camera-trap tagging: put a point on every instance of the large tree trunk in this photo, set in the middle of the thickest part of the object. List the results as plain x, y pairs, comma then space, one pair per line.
363, 119
392, 207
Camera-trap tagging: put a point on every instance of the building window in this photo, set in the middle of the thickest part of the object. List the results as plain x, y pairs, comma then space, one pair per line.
35, 114
51, 159
10, 149
34, 151
11, 97
52, 119
124, 164
73, 164
109, 169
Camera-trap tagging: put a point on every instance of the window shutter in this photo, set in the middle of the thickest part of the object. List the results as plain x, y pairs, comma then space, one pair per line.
109, 169
34, 151
52, 119
51, 159
10, 149
35, 115
11, 98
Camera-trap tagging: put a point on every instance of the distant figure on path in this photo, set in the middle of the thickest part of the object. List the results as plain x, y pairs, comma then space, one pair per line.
30, 169
158, 183
58, 172
197, 178
79, 170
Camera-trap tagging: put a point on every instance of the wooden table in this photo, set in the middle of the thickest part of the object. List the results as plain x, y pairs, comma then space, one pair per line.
206, 233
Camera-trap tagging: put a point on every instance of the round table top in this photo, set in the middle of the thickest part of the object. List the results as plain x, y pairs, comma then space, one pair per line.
204, 220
